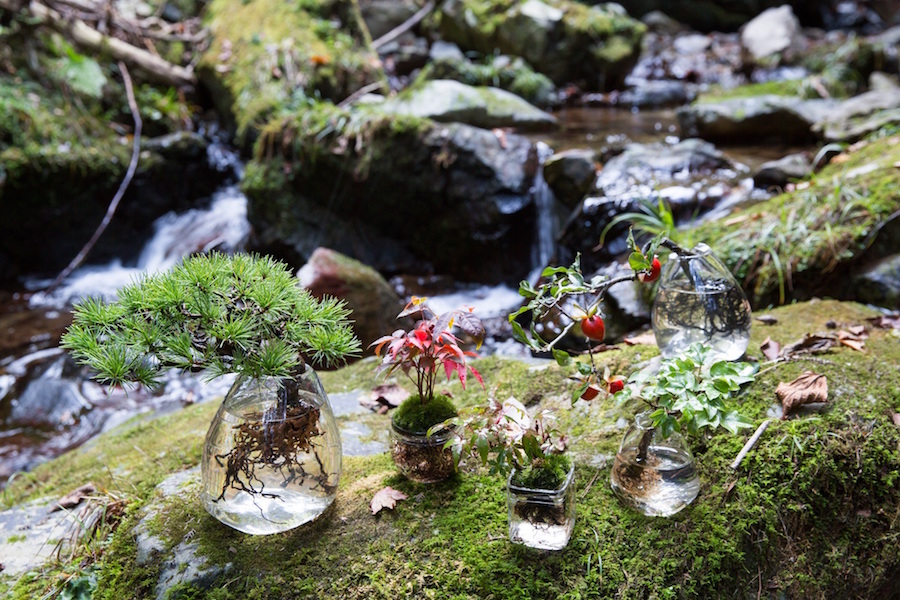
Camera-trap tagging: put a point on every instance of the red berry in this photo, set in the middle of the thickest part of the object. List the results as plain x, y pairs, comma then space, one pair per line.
615, 384
653, 275
593, 328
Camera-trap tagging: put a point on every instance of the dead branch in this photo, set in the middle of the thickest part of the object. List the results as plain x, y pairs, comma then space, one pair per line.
405, 26
88, 37
750, 443
114, 203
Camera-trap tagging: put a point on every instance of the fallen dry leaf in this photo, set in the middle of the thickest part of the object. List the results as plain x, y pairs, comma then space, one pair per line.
854, 337
886, 321
810, 344
74, 498
386, 497
806, 389
385, 397
767, 319
895, 417
770, 349
647, 338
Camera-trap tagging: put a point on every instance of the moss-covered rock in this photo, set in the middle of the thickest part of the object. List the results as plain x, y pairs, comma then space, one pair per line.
399, 193
594, 46
267, 56
810, 513
809, 241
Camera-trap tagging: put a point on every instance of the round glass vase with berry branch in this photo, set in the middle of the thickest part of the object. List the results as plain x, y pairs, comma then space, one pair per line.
421, 353
272, 457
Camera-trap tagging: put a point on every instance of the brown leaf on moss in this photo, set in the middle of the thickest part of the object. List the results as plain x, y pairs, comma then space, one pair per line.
806, 389
770, 349
386, 497
886, 321
853, 337
810, 344
385, 397
74, 498
646, 338
767, 319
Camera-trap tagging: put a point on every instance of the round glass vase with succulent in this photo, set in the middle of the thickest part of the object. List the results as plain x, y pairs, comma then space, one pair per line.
272, 458
421, 353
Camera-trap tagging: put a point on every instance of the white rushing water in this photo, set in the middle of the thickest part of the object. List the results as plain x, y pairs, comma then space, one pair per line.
222, 226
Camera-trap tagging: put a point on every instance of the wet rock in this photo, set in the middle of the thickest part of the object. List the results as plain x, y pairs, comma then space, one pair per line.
774, 32
761, 118
446, 100
655, 94
594, 47
714, 15
49, 402
404, 55
778, 173
692, 176
571, 174
28, 533
415, 196
374, 302
859, 116
879, 284
443, 50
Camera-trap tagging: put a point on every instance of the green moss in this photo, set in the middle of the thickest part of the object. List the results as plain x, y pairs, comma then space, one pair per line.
717, 93
810, 513
416, 416
809, 239
550, 475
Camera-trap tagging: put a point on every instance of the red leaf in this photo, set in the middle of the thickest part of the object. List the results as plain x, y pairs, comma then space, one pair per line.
386, 497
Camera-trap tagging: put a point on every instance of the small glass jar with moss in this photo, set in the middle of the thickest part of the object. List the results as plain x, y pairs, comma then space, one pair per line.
421, 457
541, 503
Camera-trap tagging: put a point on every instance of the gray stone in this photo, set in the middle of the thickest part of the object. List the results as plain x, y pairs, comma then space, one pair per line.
759, 118
352, 435
659, 22
857, 117
382, 16
441, 50
29, 534
880, 283
782, 171
50, 403
570, 174
446, 100
773, 31
656, 94
188, 567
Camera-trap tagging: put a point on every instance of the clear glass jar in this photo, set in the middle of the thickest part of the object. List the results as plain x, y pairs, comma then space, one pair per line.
699, 300
541, 519
272, 458
654, 474
422, 458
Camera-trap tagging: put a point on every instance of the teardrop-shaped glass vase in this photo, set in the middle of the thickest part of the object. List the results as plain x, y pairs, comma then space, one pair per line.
272, 458
654, 474
699, 300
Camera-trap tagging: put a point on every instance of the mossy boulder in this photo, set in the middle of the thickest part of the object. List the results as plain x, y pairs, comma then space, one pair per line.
811, 240
811, 512
593, 46
267, 55
399, 193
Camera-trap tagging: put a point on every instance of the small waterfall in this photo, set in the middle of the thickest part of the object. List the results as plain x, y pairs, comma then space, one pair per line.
222, 226
544, 248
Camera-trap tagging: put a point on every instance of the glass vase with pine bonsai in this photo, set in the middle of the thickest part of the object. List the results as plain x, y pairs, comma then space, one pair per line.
421, 353
272, 457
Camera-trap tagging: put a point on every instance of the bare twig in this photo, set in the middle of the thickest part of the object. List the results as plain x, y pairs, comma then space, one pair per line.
114, 204
84, 35
405, 26
750, 443
375, 85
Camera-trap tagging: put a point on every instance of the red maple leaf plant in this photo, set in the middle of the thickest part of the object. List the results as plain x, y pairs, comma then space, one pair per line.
430, 347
